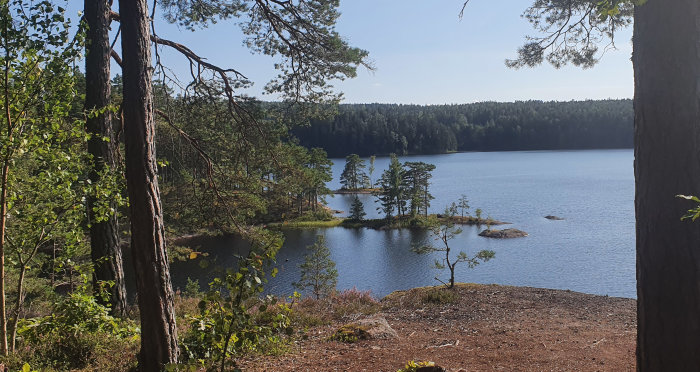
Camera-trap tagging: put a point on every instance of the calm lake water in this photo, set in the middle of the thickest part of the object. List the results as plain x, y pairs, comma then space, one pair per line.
592, 250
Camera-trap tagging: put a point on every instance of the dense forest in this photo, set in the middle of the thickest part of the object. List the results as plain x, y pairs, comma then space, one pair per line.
367, 129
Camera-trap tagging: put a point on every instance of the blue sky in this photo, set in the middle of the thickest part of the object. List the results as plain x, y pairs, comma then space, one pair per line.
424, 54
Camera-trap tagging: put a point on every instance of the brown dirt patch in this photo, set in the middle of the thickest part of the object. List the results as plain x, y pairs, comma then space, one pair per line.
483, 328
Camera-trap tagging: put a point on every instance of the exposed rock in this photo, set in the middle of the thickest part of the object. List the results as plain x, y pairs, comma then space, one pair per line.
365, 329
430, 369
503, 234
553, 218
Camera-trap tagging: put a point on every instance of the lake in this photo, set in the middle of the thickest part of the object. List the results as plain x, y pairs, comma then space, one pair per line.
592, 250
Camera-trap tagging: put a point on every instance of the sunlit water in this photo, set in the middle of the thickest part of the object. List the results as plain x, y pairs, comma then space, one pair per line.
591, 250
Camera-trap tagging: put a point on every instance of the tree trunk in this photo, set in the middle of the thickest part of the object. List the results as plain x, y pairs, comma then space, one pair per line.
4, 185
3, 227
154, 290
19, 300
104, 236
667, 162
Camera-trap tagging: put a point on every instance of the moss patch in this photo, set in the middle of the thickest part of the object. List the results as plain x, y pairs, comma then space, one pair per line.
350, 333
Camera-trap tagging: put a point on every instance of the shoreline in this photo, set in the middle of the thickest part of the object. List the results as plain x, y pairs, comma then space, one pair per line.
403, 222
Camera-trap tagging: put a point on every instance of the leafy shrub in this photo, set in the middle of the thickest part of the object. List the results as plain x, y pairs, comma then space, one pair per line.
78, 333
413, 366
231, 319
320, 214
221, 332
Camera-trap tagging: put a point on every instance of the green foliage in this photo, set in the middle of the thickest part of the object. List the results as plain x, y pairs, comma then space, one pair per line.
478, 213
76, 332
404, 183
300, 35
357, 210
692, 213
367, 129
417, 177
226, 325
74, 314
463, 205
248, 176
392, 195
413, 366
350, 333
42, 153
444, 232
321, 214
572, 31
318, 270
192, 288
371, 170
354, 176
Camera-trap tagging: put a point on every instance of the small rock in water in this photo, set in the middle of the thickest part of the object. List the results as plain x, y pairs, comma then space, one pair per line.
503, 234
554, 218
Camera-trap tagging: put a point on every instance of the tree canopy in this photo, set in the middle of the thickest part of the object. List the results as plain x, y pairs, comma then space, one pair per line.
367, 129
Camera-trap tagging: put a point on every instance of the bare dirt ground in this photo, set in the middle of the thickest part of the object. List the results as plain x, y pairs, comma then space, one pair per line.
482, 328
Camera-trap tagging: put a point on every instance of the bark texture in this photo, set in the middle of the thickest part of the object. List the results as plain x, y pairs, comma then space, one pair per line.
667, 162
154, 289
104, 236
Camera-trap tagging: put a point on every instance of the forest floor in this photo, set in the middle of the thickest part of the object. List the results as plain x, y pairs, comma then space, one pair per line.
477, 328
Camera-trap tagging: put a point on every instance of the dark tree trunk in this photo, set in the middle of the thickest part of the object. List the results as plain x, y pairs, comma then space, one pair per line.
154, 290
104, 236
667, 162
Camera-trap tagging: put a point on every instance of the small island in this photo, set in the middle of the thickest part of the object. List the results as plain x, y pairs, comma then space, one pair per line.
503, 234
553, 218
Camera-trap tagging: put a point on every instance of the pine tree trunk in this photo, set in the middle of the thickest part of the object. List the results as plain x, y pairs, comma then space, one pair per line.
667, 162
104, 236
154, 290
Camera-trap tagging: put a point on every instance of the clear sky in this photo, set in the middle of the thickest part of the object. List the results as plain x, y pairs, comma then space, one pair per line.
424, 54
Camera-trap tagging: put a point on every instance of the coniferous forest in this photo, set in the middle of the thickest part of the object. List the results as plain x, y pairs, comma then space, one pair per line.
367, 129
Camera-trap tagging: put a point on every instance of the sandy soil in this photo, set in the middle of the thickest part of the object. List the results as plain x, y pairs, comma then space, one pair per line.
484, 328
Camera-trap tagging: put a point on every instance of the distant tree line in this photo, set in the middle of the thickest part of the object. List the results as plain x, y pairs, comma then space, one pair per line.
367, 129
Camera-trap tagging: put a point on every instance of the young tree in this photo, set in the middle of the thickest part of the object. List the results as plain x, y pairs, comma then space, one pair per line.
318, 270
357, 210
353, 176
371, 170
444, 233
37, 88
463, 204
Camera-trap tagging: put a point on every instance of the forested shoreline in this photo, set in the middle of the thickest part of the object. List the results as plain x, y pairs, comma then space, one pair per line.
368, 129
